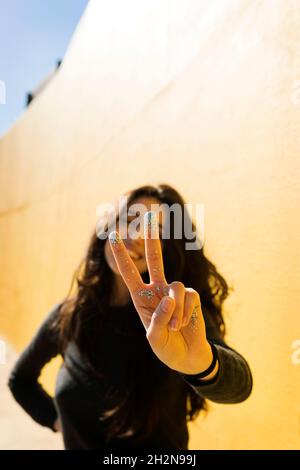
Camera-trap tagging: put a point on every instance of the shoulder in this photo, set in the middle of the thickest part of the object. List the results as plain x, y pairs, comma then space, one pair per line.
51, 320
54, 313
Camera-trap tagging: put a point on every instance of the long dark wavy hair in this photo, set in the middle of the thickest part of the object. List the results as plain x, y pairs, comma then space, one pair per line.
84, 312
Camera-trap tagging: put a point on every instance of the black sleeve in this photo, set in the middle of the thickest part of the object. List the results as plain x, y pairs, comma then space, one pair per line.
23, 379
233, 382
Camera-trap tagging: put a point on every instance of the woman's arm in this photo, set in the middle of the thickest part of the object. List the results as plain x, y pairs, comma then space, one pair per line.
233, 381
23, 379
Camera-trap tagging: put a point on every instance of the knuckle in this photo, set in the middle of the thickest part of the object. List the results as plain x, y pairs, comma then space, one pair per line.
193, 294
177, 285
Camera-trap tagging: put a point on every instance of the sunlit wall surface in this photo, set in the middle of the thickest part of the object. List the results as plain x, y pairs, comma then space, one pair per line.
203, 95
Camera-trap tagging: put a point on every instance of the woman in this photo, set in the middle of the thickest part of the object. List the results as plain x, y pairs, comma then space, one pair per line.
142, 339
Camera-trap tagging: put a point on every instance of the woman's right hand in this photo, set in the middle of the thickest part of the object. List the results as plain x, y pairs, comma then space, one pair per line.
184, 346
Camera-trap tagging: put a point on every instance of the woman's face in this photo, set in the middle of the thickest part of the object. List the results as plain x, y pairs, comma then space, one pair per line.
135, 246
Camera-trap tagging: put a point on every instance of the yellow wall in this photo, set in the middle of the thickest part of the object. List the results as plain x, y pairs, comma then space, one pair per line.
202, 95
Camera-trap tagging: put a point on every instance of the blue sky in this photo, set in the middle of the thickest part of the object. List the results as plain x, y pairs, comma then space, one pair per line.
34, 34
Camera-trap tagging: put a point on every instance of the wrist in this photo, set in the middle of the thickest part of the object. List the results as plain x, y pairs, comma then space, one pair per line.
214, 360
209, 366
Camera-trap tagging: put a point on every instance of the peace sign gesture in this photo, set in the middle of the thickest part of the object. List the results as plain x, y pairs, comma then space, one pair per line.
170, 313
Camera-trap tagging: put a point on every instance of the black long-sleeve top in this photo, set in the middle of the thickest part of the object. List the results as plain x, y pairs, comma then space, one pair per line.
80, 395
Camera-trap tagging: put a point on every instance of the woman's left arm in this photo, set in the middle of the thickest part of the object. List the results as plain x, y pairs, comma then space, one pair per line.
23, 379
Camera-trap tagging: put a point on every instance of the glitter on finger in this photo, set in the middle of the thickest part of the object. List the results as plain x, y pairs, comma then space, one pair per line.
194, 317
156, 270
147, 293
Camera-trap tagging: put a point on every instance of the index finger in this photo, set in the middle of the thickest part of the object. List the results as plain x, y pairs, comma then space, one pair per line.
153, 248
127, 268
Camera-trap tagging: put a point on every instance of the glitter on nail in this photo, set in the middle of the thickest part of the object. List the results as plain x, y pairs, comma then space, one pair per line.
166, 291
147, 293
114, 238
151, 224
151, 218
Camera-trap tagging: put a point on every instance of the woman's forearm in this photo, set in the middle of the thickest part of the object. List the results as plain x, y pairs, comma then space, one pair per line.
231, 384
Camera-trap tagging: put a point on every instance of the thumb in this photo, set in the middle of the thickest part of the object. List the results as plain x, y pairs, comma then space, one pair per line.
162, 314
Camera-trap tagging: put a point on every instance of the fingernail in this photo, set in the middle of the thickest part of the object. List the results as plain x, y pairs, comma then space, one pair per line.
114, 237
150, 222
173, 324
166, 304
150, 218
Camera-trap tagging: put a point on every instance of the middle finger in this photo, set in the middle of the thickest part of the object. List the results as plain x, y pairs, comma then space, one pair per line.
153, 248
